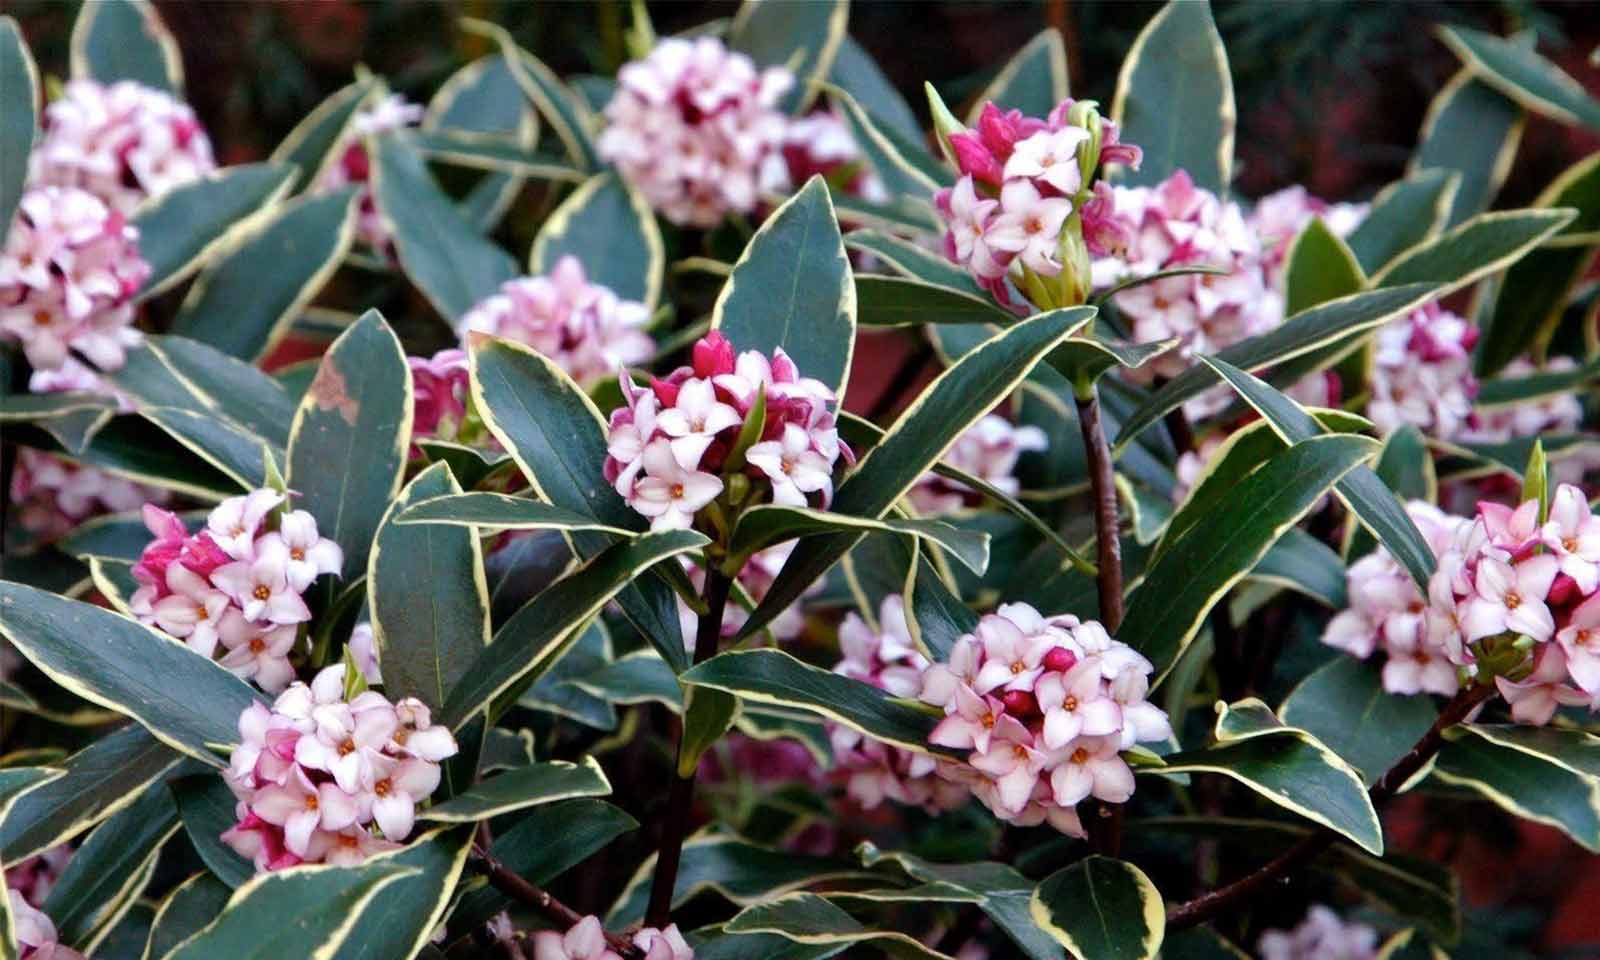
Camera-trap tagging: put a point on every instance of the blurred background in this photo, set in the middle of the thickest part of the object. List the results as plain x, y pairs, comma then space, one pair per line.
1330, 95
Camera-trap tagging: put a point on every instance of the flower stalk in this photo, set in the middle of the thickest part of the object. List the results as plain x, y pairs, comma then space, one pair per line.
562, 916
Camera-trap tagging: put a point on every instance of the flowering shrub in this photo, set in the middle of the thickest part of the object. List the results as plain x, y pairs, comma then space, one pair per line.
579, 602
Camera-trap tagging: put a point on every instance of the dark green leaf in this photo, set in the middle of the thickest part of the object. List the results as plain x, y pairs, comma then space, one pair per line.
1486, 244
126, 939
707, 715
904, 167
72, 418
765, 305
854, 71
108, 869
499, 511
186, 910
1305, 564
1318, 268
19, 109
612, 232
1405, 465
1198, 567
347, 446
237, 454
400, 922
810, 919
1404, 214
1534, 785
802, 37
178, 372
1034, 80
1524, 76
184, 227
903, 301
639, 677
245, 311
126, 40
1100, 907
1473, 129
311, 144
565, 111
1344, 705
763, 526
913, 261
1175, 99
557, 690
207, 808
774, 677
1508, 391
522, 787
186, 700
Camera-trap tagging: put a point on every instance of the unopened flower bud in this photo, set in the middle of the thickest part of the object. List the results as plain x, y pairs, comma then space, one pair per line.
1085, 114
1060, 659
1020, 703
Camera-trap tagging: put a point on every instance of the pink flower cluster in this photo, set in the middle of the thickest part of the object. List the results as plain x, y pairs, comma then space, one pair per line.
873, 770
1021, 178
52, 495
586, 940
1322, 935
668, 444
1422, 374
1046, 707
585, 328
1177, 224
122, 142
440, 383
1388, 611
1506, 573
237, 583
1555, 413
68, 273
697, 129
989, 451
1278, 218
315, 772
821, 143
391, 113
36, 937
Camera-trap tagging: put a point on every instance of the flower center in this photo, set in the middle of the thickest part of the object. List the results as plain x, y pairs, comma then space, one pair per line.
1582, 637
1569, 544
382, 788
677, 491
1018, 667
200, 612
262, 592
297, 554
400, 736
1080, 755
988, 721
41, 318
1513, 600
257, 645
311, 801
347, 748
1070, 704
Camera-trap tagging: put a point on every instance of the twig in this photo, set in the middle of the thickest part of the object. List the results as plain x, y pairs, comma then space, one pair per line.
514, 886
680, 797
1211, 905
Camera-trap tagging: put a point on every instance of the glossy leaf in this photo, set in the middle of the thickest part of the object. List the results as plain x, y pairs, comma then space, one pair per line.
1100, 907
311, 144
301, 911
207, 808
918, 439
110, 867
1198, 567
178, 372
707, 715
566, 113
856, 72
740, 871
765, 305
1344, 705
556, 691
185, 700
239, 455
522, 787
1034, 80
347, 445
1287, 766
1508, 391
1473, 129
1301, 562
1534, 293
428, 597
1319, 267
1483, 245
184, 227
1521, 74
903, 301
71, 418
186, 910
453, 264
776, 678
126, 40
1405, 465
538, 627
903, 165
558, 438
1336, 321
611, 230
1560, 788
401, 921
499, 511
1374, 504
19, 108
804, 37
639, 677
1175, 99
245, 311
764, 526
482, 102
910, 260
810, 919
1404, 214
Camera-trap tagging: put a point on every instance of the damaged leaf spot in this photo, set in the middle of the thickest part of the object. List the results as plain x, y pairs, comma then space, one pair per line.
329, 392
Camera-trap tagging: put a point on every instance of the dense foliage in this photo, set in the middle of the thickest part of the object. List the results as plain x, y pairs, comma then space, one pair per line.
613, 629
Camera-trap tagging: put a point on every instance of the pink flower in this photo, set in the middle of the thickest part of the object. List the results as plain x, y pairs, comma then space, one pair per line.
1076, 704
192, 610
942, 680
35, 934
1415, 666
1535, 699
585, 941
440, 383
257, 652
364, 652
1511, 598
1029, 226
668, 493
974, 722
301, 808
261, 588
1050, 156
391, 113
667, 944
794, 468
1580, 641
397, 787
1012, 765
303, 553
694, 420
347, 742
1573, 536
990, 449
235, 521
351, 846
417, 735
1094, 768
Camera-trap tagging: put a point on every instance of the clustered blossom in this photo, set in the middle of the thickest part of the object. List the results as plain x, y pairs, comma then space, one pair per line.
441, 386
354, 166
585, 328
313, 774
586, 940
1046, 707
1508, 574
755, 578
52, 495
1388, 611
668, 444
68, 273
1177, 224
1322, 935
122, 142
1554, 413
1021, 178
989, 451
1422, 374
872, 770
821, 143
698, 130
36, 937
1278, 218
238, 583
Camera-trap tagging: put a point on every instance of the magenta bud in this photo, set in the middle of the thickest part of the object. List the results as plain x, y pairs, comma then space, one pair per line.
713, 354
1020, 703
1060, 659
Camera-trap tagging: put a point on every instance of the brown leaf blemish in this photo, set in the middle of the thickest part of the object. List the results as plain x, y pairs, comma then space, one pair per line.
329, 392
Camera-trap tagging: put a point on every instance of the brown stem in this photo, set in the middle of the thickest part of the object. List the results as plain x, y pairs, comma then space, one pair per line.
1211, 905
1102, 484
680, 796
514, 886
1103, 821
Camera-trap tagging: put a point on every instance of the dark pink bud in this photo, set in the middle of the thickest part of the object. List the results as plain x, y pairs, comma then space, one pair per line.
976, 159
1060, 659
1563, 591
713, 355
1020, 703
666, 391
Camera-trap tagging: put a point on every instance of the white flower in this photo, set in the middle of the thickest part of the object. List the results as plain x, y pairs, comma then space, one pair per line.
1051, 156
1076, 704
397, 787
1093, 767
585, 941
1573, 536
364, 652
1536, 698
347, 741
256, 652
261, 589
694, 420
301, 807
794, 468
1029, 225
1580, 641
1511, 598
193, 611
303, 553
668, 493
234, 522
